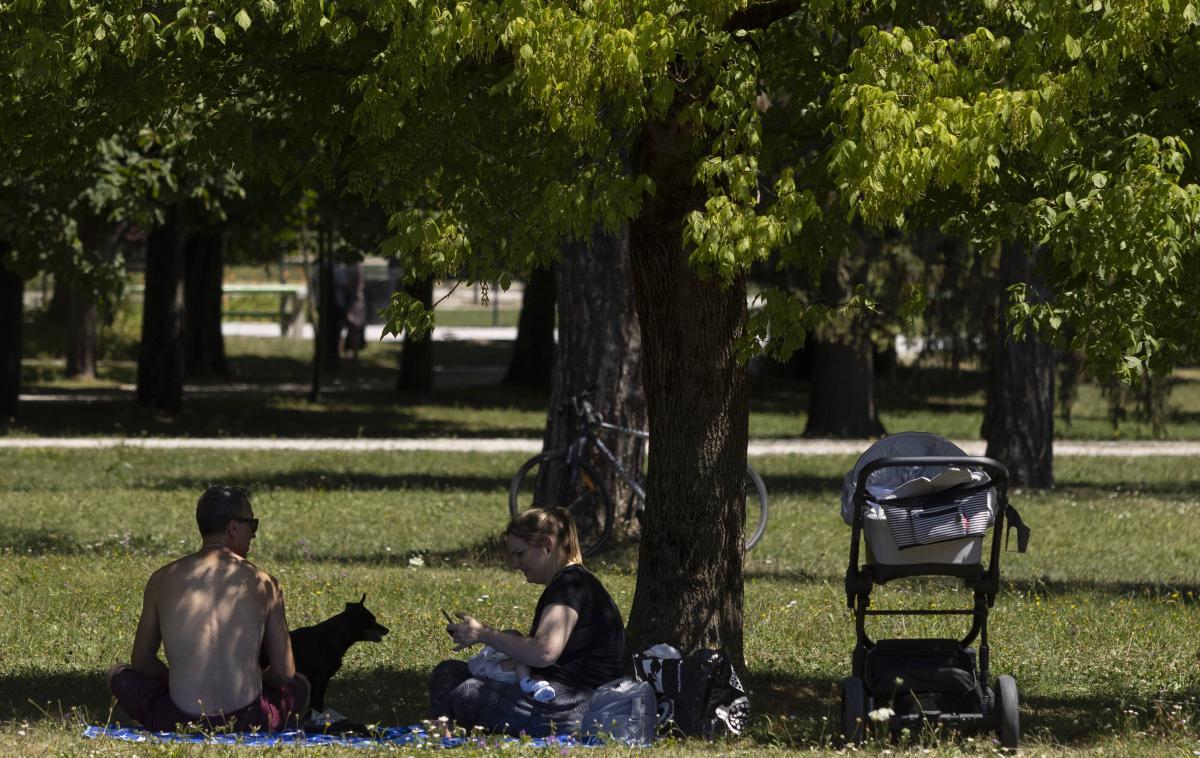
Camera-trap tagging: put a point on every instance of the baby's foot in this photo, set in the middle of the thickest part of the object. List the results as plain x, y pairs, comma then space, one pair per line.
538, 688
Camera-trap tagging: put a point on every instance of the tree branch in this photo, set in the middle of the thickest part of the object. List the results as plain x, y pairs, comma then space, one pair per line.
761, 15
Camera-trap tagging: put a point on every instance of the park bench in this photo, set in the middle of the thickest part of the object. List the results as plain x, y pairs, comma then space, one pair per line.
291, 303
292, 298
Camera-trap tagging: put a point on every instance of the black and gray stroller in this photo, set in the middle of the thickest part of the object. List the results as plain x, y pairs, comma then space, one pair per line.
922, 507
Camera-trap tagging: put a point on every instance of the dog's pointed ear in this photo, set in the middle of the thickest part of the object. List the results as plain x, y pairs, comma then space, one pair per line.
364, 599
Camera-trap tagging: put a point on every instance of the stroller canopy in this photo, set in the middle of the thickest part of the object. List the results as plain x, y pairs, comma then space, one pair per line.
903, 444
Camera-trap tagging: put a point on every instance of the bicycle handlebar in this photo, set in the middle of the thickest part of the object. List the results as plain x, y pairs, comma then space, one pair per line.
582, 408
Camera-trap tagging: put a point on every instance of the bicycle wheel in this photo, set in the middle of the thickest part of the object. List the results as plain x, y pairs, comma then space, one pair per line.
756, 494
580, 490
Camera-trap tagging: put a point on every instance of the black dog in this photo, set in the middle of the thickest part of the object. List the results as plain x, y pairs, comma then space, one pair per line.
319, 649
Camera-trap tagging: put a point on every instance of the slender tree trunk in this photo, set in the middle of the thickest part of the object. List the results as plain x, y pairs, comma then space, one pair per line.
330, 321
842, 391
416, 360
160, 357
689, 581
1018, 422
75, 306
80, 332
532, 363
600, 349
12, 314
325, 336
204, 345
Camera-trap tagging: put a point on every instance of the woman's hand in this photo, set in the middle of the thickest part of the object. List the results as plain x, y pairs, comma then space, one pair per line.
467, 632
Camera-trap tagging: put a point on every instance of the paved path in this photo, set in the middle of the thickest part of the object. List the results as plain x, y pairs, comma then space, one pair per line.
499, 445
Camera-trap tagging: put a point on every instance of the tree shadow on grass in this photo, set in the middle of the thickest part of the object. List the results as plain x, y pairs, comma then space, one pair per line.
800, 712
249, 415
26, 541
51, 695
806, 485
348, 481
1186, 593
1110, 494
381, 695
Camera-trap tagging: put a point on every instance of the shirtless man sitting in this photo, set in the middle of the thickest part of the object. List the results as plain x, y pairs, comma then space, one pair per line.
212, 612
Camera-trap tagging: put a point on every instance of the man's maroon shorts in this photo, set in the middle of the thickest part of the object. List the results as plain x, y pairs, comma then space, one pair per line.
149, 701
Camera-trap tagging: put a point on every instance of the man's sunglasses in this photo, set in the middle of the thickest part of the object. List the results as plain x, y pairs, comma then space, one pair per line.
253, 522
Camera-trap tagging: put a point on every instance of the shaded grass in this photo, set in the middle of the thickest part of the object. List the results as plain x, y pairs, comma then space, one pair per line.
267, 395
1097, 622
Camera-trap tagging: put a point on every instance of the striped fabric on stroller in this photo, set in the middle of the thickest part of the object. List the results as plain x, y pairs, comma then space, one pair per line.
921, 514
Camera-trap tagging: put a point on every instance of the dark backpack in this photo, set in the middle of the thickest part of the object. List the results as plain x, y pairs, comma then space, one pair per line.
700, 694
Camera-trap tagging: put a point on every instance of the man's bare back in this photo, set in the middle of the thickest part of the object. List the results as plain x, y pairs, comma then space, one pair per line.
213, 607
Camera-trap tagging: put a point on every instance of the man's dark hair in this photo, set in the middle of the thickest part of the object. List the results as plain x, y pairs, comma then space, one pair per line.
220, 504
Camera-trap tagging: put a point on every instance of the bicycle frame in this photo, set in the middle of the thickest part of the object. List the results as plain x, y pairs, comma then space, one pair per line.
587, 438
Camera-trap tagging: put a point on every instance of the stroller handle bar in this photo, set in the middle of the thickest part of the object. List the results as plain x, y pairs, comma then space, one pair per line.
994, 468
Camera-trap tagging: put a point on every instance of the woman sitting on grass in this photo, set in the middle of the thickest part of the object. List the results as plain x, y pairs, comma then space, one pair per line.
575, 644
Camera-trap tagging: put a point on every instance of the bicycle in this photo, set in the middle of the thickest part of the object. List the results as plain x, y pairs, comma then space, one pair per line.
584, 493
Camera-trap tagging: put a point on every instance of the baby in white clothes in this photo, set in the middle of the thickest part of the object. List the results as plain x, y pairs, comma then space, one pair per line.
490, 663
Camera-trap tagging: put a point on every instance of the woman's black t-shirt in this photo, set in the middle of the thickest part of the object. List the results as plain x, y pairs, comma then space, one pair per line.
594, 652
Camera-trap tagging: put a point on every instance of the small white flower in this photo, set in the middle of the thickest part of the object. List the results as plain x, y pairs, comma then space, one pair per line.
881, 714
416, 561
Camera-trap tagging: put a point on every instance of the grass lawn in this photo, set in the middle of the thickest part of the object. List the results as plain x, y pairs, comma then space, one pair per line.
1097, 622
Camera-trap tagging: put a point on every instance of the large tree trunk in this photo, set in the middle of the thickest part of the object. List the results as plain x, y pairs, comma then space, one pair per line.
416, 360
12, 314
532, 361
160, 356
1018, 421
204, 345
689, 580
600, 349
841, 399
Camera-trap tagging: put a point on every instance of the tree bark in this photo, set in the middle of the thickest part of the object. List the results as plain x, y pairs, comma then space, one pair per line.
204, 345
416, 360
532, 363
325, 337
80, 332
329, 326
599, 349
12, 314
1018, 421
160, 357
841, 401
689, 580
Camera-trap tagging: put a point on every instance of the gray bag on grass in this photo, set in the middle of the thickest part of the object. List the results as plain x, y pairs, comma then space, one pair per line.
623, 710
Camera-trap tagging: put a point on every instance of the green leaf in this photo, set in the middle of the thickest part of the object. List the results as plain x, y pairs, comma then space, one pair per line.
242, 19
526, 51
219, 34
1100, 180
1073, 48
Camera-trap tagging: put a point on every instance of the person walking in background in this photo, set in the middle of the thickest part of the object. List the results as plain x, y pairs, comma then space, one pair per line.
349, 294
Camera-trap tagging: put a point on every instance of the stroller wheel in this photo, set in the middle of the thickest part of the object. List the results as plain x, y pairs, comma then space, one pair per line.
1007, 707
854, 709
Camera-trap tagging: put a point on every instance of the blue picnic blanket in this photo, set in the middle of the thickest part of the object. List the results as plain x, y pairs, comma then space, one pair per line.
392, 735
